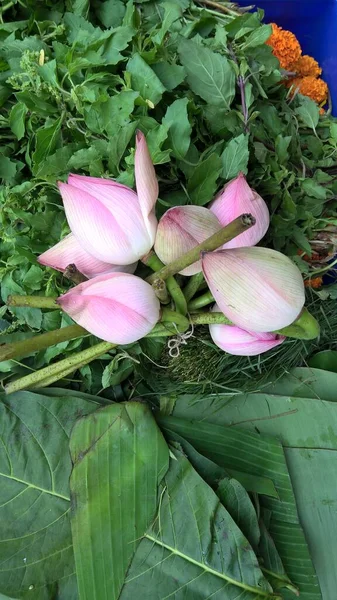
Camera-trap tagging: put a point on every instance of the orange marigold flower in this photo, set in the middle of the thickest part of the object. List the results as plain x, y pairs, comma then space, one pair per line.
285, 46
316, 89
306, 65
315, 282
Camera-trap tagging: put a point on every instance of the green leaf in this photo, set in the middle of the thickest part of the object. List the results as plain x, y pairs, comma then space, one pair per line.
118, 145
312, 188
46, 140
327, 360
119, 458
306, 383
281, 147
111, 13
179, 128
236, 500
235, 157
7, 168
209, 74
170, 75
117, 41
36, 546
308, 111
257, 37
144, 79
17, 119
194, 546
117, 110
202, 184
296, 422
172, 12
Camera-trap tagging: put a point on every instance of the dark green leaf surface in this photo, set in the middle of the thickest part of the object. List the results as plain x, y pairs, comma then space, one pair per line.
209, 74
194, 549
119, 457
36, 553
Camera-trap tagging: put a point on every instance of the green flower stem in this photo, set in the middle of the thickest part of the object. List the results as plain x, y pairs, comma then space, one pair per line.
210, 318
152, 261
32, 301
60, 369
306, 327
193, 285
201, 301
171, 316
40, 342
160, 289
226, 234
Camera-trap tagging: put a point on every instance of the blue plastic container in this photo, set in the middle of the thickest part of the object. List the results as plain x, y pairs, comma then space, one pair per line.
314, 22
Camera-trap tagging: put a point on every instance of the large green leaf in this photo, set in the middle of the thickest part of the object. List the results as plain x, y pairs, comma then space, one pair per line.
120, 457
194, 549
209, 74
231, 447
36, 553
307, 383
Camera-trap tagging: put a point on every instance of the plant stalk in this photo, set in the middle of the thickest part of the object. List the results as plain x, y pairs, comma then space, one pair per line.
152, 261
226, 234
60, 369
201, 301
193, 285
32, 301
73, 274
209, 318
40, 342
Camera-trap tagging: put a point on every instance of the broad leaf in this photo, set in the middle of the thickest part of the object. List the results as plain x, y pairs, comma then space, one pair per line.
308, 112
35, 537
209, 74
235, 157
119, 457
230, 447
176, 119
144, 80
194, 549
202, 183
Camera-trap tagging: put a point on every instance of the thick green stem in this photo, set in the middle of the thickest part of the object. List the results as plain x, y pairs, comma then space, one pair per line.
193, 285
32, 301
209, 318
201, 301
60, 369
226, 234
171, 316
40, 342
152, 261
160, 289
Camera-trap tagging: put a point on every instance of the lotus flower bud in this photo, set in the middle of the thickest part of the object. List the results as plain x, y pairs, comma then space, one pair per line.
236, 199
68, 251
182, 228
117, 307
109, 220
258, 289
234, 340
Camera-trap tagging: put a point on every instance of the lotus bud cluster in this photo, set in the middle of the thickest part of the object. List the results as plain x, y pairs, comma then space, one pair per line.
259, 290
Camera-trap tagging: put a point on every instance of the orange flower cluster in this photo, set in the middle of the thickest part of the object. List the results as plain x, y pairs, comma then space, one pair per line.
310, 86
285, 46
287, 49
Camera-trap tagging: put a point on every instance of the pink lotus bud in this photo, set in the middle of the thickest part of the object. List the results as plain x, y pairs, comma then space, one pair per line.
236, 199
234, 340
117, 307
258, 289
109, 220
182, 228
69, 252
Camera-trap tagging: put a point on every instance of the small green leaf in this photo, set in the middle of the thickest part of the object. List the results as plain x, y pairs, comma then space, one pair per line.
235, 157
111, 13
209, 74
144, 79
202, 183
308, 111
172, 12
7, 168
17, 119
257, 37
170, 75
176, 118
281, 147
46, 140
